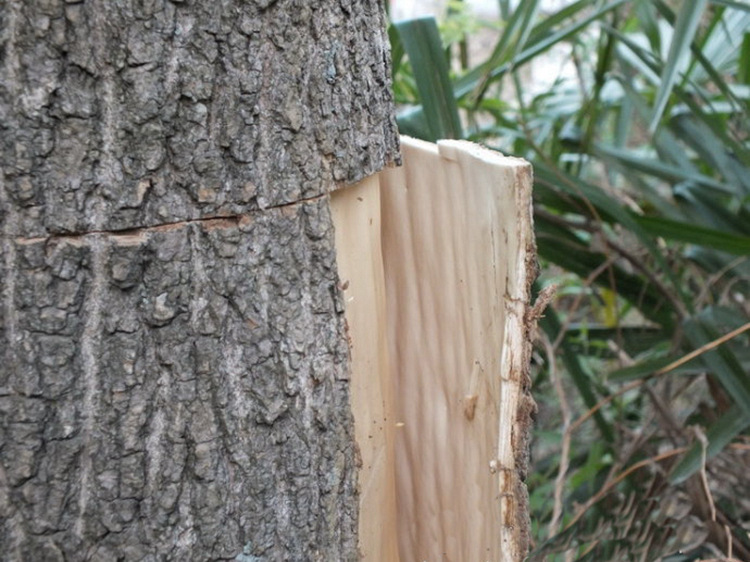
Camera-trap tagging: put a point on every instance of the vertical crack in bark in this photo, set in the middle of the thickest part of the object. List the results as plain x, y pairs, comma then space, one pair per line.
10, 328
11, 56
91, 340
8, 211
109, 110
10, 314
9, 218
109, 163
174, 50
90, 350
155, 434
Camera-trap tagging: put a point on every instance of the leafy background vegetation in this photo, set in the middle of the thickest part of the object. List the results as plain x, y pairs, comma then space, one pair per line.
642, 217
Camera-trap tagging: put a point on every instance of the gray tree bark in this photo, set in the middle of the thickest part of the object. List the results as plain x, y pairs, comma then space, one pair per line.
174, 378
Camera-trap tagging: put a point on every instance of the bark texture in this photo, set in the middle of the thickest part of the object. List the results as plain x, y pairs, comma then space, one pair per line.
174, 366
125, 113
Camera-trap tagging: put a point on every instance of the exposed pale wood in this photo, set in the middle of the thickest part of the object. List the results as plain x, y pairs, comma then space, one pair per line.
356, 216
453, 227
456, 245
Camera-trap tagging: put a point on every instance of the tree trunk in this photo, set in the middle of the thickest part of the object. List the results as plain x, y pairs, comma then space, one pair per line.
175, 373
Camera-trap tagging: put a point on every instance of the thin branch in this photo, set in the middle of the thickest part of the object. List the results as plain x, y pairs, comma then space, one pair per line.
557, 509
638, 264
702, 349
623, 253
579, 298
713, 279
619, 478
703, 476
664, 370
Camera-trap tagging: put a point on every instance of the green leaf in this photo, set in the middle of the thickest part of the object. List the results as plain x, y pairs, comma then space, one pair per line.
645, 20
514, 36
504, 9
719, 435
634, 340
719, 49
633, 161
640, 370
743, 70
721, 362
422, 43
550, 323
413, 123
606, 204
732, 4
723, 40
712, 261
536, 45
695, 234
727, 367
566, 250
704, 142
706, 209
397, 51
679, 55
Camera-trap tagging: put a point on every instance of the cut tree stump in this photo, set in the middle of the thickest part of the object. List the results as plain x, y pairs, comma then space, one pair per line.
436, 259
175, 380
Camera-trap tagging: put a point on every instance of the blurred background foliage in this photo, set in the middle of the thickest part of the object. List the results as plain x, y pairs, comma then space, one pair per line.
642, 215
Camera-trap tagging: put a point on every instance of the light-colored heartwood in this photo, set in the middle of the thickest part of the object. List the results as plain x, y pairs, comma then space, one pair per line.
437, 258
